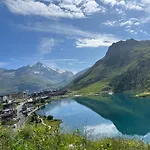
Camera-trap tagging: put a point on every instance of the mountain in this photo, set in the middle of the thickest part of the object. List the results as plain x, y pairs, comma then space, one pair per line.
80, 73
125, 67
33, 78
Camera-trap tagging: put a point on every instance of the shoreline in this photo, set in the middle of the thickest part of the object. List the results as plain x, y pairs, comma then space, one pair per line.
145, 94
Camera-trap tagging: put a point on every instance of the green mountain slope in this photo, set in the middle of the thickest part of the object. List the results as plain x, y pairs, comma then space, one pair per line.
126, 67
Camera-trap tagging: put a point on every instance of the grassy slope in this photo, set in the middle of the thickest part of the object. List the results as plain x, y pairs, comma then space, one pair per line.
93, 88
24, 82
124, 68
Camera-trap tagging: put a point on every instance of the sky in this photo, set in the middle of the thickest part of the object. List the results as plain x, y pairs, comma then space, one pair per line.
67, 34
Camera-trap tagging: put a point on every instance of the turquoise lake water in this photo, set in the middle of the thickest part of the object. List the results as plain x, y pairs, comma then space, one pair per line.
110, 116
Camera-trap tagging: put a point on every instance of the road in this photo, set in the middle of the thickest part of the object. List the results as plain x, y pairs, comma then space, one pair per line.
20, 117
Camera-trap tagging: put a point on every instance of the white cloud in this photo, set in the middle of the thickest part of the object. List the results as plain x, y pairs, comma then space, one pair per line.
138, 5
144, 32
92, 7
103, 40
65, 9
131, 31
145, 1
83, 38
134, 5
111, 23
63, 29
113, 2
127, 23
120, 12
46, 46
131, 25
130, 4
31, 7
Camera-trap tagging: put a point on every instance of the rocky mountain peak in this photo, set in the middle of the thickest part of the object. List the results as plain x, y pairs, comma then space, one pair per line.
39, 64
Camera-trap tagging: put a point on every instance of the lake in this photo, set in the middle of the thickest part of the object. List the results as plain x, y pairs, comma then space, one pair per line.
109, 116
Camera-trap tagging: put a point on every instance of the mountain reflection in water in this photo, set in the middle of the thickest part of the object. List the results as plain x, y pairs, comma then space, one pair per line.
108, 116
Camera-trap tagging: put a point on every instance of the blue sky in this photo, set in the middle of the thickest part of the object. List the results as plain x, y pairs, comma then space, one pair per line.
67, 34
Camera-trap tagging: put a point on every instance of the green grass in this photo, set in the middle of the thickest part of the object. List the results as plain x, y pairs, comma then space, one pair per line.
1, 106
53, 123
39, 138
145, 94
93, 88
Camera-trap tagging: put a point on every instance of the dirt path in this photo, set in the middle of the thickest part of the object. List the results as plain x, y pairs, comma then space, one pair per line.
44, 123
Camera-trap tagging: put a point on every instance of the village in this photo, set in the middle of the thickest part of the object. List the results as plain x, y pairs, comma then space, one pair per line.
15, 108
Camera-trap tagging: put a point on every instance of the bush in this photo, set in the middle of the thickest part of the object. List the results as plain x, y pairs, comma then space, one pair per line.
50, 117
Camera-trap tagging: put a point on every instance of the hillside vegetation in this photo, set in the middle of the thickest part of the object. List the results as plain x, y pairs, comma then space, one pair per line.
43, 139
126, 67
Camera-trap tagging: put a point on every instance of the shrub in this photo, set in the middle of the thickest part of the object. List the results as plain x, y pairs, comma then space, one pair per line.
49, 117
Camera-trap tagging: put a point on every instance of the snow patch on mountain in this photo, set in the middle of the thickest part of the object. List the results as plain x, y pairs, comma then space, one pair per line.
36, 72
59, 71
